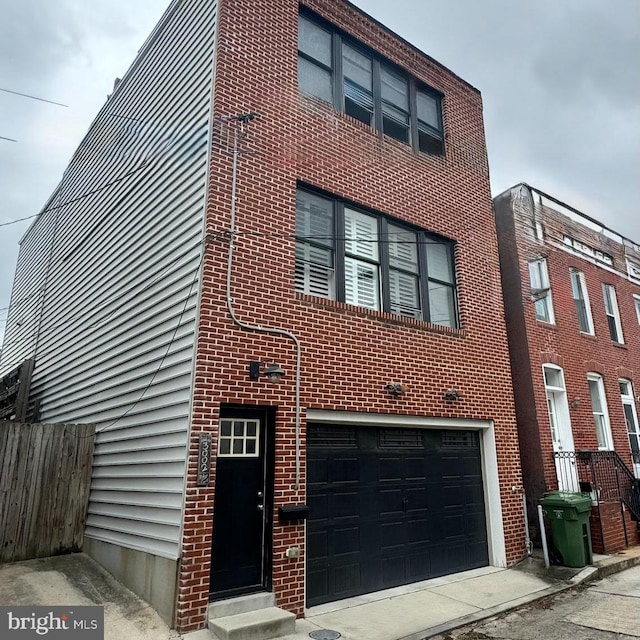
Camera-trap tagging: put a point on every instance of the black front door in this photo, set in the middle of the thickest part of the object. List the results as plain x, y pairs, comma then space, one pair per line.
241, 509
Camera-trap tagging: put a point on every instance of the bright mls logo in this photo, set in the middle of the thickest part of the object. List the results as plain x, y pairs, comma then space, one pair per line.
52, 623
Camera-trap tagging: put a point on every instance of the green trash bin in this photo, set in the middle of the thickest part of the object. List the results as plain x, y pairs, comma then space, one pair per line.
568, 513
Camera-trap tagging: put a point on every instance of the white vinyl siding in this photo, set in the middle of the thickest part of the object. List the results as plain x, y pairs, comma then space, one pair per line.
114, 275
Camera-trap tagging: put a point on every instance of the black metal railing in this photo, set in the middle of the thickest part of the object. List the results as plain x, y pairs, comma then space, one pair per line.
603, 474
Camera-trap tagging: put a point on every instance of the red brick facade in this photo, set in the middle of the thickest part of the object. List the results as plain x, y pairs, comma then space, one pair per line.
529, 227
348, 353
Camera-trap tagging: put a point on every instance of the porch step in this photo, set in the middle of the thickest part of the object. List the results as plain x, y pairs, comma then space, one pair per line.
261, 624
243, 604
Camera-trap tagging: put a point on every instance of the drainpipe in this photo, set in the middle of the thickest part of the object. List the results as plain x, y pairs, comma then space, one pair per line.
245, 119
527, 540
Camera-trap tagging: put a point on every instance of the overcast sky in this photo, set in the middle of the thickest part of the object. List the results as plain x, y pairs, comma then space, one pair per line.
560, 81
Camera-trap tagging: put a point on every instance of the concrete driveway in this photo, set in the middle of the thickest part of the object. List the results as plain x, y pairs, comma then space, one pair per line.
77, 580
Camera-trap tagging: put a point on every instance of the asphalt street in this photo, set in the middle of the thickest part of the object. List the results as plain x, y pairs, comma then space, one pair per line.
608, 609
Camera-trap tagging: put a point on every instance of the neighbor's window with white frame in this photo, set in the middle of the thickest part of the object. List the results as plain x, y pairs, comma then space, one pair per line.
636, 302
613, 313
600, 412
541, 290
581, 298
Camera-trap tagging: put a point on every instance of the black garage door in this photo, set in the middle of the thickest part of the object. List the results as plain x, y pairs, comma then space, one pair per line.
389, 507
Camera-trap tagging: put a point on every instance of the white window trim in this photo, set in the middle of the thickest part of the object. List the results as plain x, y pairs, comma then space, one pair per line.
615, 311
597, 378
636, 302
585, 293
538, 267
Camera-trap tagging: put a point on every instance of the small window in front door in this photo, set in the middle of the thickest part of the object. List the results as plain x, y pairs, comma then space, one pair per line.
239, 438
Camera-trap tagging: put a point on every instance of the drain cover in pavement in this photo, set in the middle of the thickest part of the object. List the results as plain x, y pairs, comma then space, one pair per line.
324, 634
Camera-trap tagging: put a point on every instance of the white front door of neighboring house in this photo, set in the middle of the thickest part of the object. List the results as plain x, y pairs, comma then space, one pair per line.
561, 433
631, 418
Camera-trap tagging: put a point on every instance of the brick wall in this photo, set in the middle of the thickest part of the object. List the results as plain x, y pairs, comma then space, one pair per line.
612, 528
348, 354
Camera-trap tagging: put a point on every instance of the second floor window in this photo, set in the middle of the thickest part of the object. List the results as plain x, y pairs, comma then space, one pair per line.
368, 260
340, 71
581, 298
613, 313
541, 290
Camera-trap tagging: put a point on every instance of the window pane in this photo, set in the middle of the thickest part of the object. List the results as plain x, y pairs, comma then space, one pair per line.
403, 248
314, 80
314, 41
428, 143
441, 305
314, 218
553, 378
404, 294
439, 262
252, 429
238, 428
314, 273
250, 446
237, 446
358, 103
594, 390
362, 286
428, 109
395, 88
225, 446
225, 428
357, 67
361, 234
395, 123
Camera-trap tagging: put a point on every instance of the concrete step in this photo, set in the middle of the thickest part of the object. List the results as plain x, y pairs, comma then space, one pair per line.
254, 625
242, 604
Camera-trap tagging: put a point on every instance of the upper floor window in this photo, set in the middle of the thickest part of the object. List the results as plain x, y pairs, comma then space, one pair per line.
633, 270
586, 250
366, 87
581, 298
541, 290
599, 409
368, 260
636, 302
613, 313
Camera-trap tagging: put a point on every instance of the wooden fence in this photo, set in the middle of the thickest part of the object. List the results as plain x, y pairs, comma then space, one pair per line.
45, 472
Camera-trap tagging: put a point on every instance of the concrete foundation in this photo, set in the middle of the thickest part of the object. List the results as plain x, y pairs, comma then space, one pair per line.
151, 577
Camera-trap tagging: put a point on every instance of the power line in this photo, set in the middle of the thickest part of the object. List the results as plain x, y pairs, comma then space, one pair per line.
78, 198
9, 139
26, 95
164, 357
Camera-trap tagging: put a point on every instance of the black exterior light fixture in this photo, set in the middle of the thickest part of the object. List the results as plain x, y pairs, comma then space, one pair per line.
272, 371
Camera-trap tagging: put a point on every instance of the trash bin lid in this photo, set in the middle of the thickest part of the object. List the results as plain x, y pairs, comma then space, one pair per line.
567, 499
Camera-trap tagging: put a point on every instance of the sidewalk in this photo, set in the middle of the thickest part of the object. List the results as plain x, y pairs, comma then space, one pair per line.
413, 612
428, 608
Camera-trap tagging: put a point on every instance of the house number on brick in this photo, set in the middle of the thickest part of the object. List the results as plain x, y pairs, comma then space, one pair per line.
204, 459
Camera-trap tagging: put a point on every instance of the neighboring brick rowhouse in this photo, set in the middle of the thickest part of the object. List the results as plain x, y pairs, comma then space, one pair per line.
527, 230
348, 354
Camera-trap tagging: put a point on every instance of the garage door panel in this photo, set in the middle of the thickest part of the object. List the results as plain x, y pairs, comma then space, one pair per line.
346, 541
344, 504
391, 509
344, 470
390, 501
